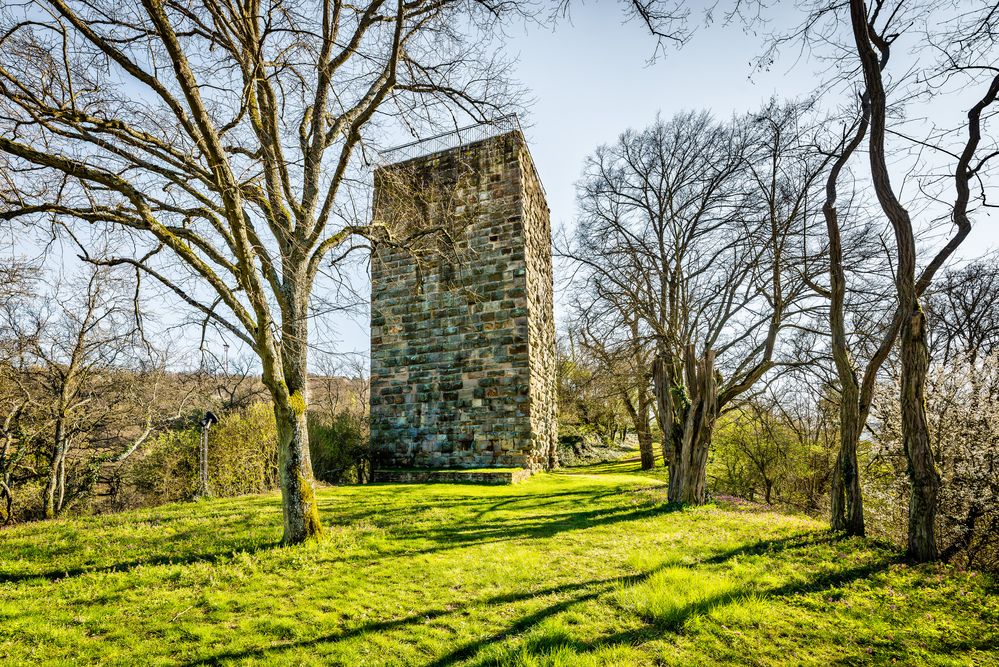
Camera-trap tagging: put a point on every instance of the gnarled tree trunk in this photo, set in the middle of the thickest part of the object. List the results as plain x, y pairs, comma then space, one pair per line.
672, 402
914, 358
701, 417
846, 502
693, 409
847, 505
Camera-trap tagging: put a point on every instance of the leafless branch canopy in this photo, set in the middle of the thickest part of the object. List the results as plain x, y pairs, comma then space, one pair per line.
224, 138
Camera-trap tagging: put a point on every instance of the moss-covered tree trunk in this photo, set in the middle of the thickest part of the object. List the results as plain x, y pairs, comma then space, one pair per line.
286, 376
301, 514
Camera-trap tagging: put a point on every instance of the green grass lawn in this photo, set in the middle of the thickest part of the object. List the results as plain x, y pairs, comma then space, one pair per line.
586, 566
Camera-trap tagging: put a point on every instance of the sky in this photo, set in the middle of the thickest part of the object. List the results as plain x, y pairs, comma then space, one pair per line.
591, 77
595, 74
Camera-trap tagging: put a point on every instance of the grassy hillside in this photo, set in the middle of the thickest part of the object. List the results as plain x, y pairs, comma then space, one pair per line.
587, 566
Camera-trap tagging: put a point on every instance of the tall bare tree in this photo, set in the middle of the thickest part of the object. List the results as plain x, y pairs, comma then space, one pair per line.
963, 311
694, 226
951, 48
876, 27
221, 139
18, 281
960, 42
873, 330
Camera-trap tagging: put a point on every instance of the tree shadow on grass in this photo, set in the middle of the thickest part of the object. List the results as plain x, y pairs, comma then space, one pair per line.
213, 556
466, 533
411, 539
531, 528
582, 592
586, 590
652, 629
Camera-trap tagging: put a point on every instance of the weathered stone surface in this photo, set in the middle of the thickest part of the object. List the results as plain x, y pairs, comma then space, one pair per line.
498, 477
463, 338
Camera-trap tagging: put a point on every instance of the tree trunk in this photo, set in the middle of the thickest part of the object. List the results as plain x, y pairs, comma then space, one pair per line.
847, 504
694, 465
645, 449
672, 401
847, 507
924, 481
288, 382
61, 486
49, 502
640, 419
701, 417
8, 501
301, 513
690, 442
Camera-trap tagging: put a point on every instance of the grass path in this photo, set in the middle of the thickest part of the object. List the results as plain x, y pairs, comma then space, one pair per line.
586, 566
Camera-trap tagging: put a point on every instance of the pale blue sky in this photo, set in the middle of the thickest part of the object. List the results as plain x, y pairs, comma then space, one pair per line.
591, 78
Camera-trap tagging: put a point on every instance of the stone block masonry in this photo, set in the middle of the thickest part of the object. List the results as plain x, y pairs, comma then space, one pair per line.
462, 332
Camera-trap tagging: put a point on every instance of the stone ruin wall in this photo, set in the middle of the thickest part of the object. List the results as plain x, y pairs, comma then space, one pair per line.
463, 347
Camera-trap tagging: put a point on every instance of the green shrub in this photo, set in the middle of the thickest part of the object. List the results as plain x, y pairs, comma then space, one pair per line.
339, 447
242, 452
166, 472
242, 458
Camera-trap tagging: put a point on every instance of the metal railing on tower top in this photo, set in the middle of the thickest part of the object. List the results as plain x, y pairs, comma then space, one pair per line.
448, 140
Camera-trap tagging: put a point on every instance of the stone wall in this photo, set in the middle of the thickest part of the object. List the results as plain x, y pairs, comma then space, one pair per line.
428, 476
462, 334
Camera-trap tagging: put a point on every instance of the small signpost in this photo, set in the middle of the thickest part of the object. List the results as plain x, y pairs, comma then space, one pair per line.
206, 423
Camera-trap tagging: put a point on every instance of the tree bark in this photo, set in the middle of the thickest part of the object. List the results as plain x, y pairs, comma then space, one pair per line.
847, 506
692, 407
638, 411
49, 504
914, 355
301, 513
924, 482
289, 386
646, 449
846, 503
672, 401
701, 417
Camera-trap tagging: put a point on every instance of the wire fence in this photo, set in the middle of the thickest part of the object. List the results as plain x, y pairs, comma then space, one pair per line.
448, 140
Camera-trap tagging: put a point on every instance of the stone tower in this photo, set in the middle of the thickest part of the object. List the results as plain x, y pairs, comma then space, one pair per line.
462, 334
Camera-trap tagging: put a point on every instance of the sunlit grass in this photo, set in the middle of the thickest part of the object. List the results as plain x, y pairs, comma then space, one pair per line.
582, 567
